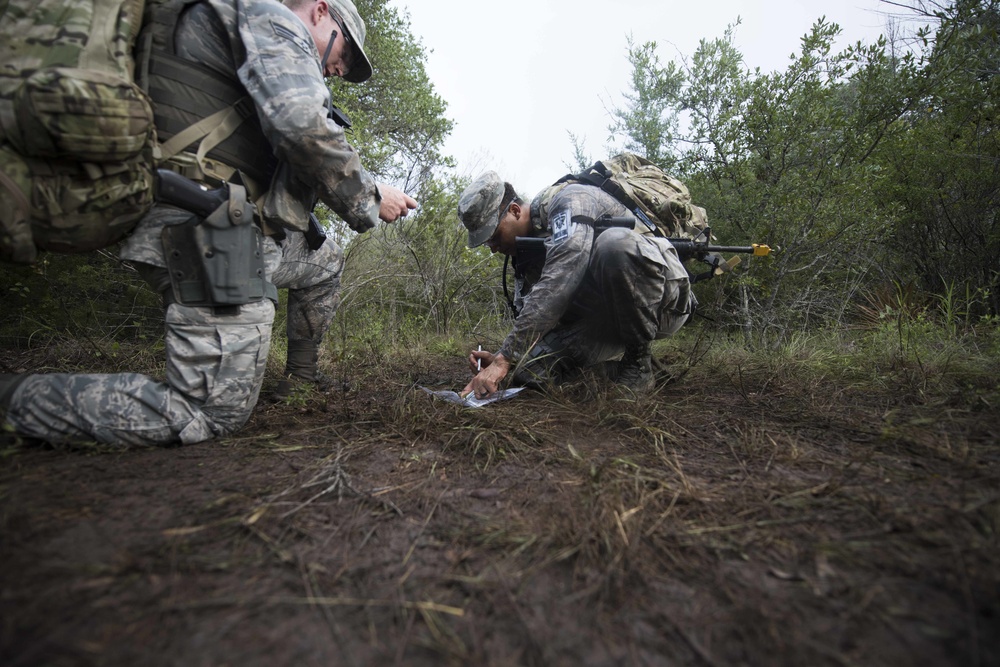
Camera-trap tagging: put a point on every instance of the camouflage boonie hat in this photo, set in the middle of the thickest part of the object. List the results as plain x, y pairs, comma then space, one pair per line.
479, 207
361, 70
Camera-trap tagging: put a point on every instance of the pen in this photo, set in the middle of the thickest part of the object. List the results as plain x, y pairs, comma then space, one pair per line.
479, 362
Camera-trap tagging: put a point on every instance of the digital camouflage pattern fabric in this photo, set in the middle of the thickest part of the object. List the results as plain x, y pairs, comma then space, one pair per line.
479, 207
131, 409
216, 362
655, 197
283, 84
595, 295
313, 282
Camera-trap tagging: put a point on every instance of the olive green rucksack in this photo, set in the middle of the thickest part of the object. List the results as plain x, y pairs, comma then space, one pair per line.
76, 134
660, 202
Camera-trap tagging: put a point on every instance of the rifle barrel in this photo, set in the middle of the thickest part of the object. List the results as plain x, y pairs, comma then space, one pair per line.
534, 248
728, 248
688, 247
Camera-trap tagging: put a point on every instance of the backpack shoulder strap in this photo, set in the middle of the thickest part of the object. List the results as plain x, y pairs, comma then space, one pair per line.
601, 177
198, 109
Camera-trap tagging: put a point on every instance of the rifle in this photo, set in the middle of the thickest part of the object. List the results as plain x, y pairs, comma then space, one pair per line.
531, 250
709, 253
530, 253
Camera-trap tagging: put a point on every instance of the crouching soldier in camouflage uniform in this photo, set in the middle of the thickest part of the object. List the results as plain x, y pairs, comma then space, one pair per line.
239, 87
597, 297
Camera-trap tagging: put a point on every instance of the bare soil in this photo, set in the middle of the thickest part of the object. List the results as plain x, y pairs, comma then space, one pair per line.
729, 518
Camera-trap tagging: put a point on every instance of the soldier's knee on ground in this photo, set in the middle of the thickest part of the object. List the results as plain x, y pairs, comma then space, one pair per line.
230, 421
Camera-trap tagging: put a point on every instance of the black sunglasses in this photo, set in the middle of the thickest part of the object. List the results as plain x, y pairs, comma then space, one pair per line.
349, 56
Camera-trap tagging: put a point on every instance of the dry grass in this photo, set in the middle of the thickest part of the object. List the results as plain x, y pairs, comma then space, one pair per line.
782, 508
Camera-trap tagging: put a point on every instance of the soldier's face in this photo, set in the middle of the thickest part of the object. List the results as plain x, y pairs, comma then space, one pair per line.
511, 226
332, 40
341, 64
339, 61
494, 242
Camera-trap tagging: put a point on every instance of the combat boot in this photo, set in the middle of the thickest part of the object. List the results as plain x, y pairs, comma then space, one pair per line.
301, 371
635, 370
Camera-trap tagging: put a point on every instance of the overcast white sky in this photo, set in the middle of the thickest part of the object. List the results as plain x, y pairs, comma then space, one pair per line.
519, 75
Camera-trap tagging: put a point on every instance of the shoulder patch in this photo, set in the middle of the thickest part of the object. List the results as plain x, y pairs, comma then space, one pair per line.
562, 225
284, 32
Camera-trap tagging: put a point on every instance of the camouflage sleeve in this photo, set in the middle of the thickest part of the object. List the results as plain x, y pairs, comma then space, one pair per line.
567, 255
281, 72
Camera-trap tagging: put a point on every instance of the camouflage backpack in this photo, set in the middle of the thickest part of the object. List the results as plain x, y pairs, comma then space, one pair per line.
76, 134
661, 203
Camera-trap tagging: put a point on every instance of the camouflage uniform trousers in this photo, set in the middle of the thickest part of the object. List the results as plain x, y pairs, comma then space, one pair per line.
635, 290
313, 282
215, 363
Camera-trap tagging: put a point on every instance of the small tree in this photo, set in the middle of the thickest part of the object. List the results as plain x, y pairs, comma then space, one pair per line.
942, 184
787, 158
417, 275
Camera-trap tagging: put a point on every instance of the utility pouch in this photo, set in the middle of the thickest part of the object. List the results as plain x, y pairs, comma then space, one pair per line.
77, 136
218, 261
315, 234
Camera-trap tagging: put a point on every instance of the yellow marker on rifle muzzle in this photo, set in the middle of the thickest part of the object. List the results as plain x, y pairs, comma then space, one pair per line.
759, 250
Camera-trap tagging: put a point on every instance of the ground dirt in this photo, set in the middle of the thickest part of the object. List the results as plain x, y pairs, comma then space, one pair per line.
728, 518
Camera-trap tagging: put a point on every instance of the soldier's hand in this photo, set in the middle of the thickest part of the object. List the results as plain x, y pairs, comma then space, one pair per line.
395, 203
479, 359
488, 380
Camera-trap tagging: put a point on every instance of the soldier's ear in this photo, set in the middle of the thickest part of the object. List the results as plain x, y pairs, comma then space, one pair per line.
319, 10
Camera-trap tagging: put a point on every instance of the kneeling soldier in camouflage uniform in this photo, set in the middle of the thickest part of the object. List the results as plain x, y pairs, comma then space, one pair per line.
252, 71
598, 296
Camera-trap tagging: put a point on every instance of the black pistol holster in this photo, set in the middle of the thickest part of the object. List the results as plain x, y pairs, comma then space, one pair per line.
216, 259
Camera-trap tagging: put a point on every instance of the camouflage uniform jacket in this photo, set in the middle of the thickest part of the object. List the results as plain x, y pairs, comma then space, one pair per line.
544, 298
276, 60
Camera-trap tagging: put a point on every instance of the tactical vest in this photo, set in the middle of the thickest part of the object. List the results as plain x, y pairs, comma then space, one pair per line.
206, 123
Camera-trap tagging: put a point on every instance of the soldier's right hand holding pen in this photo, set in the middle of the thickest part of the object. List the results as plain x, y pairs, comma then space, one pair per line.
488, 370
